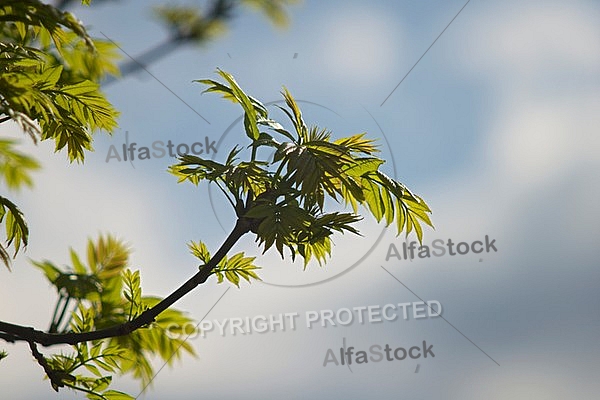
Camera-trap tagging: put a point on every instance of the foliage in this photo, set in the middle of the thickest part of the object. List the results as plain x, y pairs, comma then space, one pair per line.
105, 293
49, 87
194, 24
189, 23
17, 232
49, 68
273, 9
283, 198
232, 269
35, 93
15, 167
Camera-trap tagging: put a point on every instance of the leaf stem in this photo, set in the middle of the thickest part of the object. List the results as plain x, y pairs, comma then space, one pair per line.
53, 325
52, 375
225, 193
62, 313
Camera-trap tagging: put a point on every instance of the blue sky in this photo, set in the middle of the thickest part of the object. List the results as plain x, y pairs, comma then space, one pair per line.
496, 128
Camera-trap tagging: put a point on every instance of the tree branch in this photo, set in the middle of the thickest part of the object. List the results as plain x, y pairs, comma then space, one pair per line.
11, 332
55, 378
8, 338
220, 10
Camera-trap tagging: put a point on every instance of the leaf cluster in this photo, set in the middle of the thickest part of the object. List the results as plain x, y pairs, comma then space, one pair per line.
49, 68
15, 167
46, 106
104, 293
232, 268
17, 232
282, 199
195, 24
273, 9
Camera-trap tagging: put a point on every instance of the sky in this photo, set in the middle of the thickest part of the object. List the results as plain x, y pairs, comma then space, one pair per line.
496, 127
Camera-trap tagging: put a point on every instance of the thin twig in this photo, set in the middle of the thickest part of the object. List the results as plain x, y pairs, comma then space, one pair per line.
52, 375
53, 325
62, 313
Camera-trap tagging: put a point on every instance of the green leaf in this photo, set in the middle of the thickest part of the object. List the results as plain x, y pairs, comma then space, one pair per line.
133, 293
236, 267
49, 77
273, 9
17, 232
93, 369
116, 395
15, 167
78, 267
250, 115
50, 271
362, 166
200, 251
297, 119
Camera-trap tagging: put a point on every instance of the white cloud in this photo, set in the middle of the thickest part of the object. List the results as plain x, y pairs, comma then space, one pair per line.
537, 141
538, 64
532, 378
359, 45
529, 39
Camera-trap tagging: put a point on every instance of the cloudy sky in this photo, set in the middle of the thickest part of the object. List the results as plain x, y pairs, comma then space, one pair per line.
496, 127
